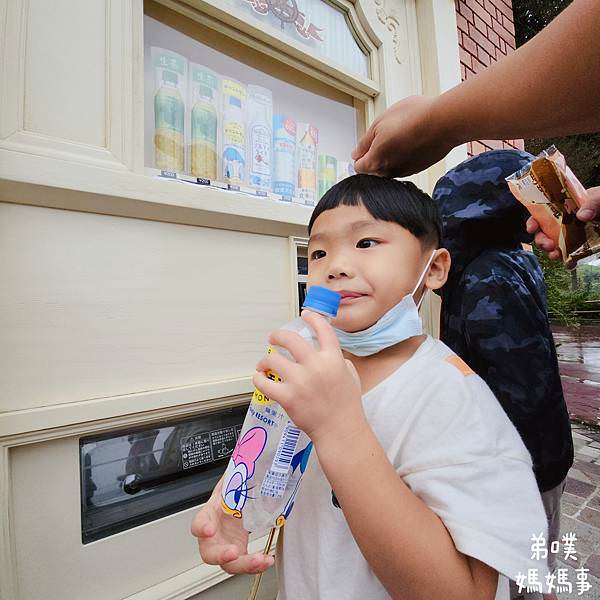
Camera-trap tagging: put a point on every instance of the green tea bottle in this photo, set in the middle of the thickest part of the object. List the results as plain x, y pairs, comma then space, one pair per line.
204, 124
168, 124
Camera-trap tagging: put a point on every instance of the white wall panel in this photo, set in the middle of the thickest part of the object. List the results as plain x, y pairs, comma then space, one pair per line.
94, 306
65, 90
67, 82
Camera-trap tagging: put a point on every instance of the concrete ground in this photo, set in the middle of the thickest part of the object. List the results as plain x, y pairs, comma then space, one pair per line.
579, 362
581, 511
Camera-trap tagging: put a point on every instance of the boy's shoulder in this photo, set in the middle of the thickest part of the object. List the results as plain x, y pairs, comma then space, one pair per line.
449, 414
442, 371
442, 363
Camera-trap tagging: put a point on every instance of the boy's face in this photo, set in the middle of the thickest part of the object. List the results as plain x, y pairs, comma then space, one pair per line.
372, 263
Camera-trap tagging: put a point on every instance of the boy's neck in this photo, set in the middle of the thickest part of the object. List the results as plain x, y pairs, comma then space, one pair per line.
377, 367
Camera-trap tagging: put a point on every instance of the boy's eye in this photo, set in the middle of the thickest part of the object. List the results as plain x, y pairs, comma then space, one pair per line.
367, 243
317, 254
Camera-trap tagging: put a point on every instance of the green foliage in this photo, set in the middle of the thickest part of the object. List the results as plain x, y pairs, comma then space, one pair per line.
563, 301
589, 277
582, 152
531, 16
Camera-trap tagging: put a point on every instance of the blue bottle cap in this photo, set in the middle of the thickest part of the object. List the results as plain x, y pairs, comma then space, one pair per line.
323, 300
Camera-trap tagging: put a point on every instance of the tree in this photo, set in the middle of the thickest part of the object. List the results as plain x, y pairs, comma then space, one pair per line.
582, 152
563, 301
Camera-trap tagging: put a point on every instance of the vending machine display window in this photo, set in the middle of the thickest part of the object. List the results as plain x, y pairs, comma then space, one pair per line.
130, 478
217, 115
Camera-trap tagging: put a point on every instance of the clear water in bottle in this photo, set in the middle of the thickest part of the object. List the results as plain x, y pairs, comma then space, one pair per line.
264, 473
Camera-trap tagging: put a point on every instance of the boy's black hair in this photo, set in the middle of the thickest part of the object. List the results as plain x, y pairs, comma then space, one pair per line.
386, 199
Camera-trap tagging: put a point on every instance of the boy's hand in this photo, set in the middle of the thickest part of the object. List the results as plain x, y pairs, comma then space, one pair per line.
321, 390
222, 539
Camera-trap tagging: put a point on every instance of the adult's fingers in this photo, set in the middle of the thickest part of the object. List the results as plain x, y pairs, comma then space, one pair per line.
590, 209
554, 255
532, 225
369, 164
364, 143
544, 242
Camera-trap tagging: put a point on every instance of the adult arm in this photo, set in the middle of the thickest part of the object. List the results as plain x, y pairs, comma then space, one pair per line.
548, 87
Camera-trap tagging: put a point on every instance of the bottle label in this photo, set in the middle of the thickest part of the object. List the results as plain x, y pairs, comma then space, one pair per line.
234, 133
204, 125
260, 145
277, 476
168, 112
285, 450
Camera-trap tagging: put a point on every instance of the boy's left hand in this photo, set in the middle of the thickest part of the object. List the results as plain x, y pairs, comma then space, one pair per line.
321, 390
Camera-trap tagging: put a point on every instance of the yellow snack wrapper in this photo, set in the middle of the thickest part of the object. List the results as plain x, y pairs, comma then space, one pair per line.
552, 194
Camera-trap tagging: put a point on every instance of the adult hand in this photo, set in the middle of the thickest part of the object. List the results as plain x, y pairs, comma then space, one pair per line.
589, 210
405, 139
222, 539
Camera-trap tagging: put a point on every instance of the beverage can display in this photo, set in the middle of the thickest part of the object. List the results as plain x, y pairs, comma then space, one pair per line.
327, 172
260, 124
170, 78
307, 138
284, 155
234, 96
204, 85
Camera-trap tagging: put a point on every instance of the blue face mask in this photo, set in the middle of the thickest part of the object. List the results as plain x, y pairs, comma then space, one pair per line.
396, 325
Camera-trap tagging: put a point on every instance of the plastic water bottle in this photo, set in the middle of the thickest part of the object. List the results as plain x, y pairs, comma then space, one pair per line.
264, 473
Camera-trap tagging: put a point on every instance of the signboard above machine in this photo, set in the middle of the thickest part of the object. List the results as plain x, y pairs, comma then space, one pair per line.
315, 23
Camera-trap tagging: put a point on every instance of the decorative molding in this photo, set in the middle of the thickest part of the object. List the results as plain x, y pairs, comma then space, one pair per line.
20, 135
392, 25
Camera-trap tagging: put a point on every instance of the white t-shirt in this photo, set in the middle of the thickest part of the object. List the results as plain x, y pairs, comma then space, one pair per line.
450, 441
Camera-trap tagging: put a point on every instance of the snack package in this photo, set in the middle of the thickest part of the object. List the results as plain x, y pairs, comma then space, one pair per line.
552, 194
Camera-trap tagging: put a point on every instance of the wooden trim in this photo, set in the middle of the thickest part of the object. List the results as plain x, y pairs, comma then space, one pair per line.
8, 564
52, 183
192, 582
295, 243
100, 414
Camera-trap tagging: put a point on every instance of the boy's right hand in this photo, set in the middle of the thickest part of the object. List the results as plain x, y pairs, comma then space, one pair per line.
222, 539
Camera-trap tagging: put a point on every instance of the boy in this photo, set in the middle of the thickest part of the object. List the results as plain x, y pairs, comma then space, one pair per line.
420, 487
494, 315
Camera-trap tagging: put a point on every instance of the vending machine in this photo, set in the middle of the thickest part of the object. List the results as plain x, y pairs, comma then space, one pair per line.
159, 161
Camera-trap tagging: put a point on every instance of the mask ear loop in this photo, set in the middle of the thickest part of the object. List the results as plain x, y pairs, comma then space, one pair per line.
423, 277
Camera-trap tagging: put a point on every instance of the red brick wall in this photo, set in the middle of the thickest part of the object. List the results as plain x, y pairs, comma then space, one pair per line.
486, 33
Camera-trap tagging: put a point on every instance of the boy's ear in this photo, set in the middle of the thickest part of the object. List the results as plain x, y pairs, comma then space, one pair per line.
439, 269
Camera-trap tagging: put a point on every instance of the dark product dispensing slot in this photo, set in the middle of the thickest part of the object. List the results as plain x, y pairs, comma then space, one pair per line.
129, 478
